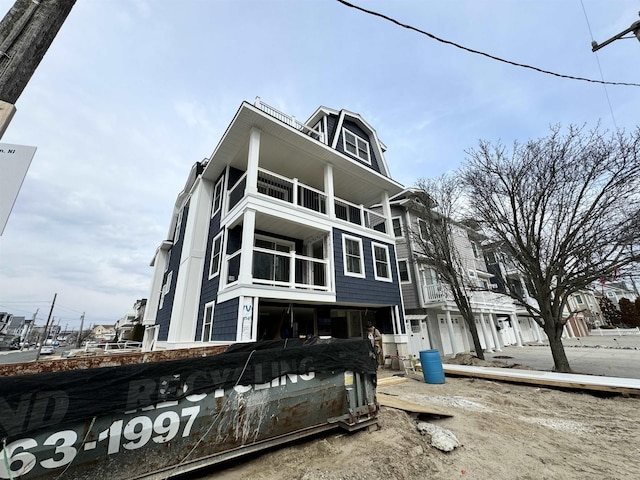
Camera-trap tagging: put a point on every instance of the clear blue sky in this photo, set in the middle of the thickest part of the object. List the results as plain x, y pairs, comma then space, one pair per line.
133, 92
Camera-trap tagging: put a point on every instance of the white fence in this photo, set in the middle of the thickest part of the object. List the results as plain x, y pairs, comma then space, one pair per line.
614, 332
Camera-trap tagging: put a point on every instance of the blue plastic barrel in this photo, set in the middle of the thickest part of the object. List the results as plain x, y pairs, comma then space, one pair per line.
431, 366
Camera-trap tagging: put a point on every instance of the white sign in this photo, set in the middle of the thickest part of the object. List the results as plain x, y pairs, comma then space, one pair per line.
14, 164
247, 319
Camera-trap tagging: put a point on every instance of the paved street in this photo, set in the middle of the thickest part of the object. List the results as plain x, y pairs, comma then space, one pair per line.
595, 355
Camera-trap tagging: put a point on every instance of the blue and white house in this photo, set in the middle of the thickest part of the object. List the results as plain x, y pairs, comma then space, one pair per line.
285, 231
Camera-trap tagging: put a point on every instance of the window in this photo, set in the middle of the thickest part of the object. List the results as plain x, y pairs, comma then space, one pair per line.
474, 247
352, 254
355, 145
397, 227
422, 229
217, 196
403, 271
271, 266
165, 289
207, 323
381, 262
216, 251
579, 299
176, 233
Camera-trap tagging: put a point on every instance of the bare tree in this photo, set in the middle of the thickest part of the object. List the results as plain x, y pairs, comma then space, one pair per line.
438, 207
565, 208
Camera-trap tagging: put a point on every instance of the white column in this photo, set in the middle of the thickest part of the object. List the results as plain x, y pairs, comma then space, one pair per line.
452, 337
536, 329
386, 211
569, 329
487, 342
245, 276
518, 330
253, 161
328, 190
494, 332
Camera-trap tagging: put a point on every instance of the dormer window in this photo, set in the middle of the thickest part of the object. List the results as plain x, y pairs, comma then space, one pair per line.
356, 146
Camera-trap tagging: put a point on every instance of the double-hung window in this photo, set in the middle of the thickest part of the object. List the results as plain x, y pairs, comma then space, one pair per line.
216, 253
403, 271
381, 262
207, 322
356, 146
397, 227
353, 258
217, 196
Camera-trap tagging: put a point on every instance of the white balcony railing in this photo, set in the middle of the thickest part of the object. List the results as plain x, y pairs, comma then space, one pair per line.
292, 191
281, 269
289, 120
441, 292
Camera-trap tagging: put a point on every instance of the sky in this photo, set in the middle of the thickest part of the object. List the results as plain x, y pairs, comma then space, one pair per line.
133, 92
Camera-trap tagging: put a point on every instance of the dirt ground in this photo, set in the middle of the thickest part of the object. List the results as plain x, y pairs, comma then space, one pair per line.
506, 431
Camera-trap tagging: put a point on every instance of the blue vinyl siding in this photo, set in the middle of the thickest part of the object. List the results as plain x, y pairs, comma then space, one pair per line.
225, 321
366, 290
163, 317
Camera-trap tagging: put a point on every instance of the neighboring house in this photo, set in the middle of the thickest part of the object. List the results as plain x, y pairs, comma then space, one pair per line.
583, 312
104, 333
616, 290
431, 312
274, 236
124, 326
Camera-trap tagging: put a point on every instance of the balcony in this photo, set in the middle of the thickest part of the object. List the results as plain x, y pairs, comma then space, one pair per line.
440, 293
282, 269
299, 195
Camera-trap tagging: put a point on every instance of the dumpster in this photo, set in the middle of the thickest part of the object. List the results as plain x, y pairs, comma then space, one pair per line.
156, 420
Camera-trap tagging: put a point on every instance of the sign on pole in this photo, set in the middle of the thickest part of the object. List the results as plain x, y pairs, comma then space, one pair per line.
14, 164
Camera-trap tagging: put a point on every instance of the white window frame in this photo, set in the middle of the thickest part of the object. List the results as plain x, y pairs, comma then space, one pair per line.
399, 220
165, 289
386, 261
176, 233
209, 307
357, 141
216, 203
344, 256
215, 273
406, 262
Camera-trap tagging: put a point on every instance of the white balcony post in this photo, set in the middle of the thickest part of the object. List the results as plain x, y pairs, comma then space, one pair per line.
245, 276
294, 200
292, 269
253, 162
386, 211
328, 190
494, 332
452, 336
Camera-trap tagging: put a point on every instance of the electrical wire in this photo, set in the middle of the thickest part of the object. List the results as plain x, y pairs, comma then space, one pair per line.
477, 52
606, 92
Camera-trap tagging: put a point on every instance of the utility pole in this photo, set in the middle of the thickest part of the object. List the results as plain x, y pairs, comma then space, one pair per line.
79, 339
43, 337
26, 32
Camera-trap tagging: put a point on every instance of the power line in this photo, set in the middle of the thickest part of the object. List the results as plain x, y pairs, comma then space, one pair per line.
606, 92
477, 52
